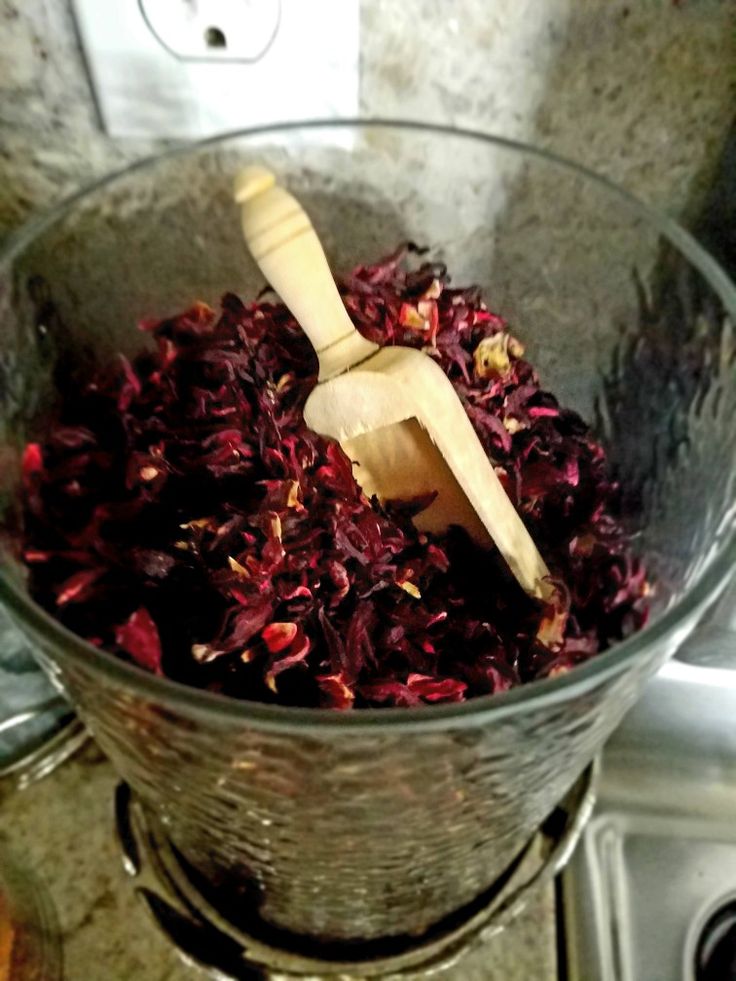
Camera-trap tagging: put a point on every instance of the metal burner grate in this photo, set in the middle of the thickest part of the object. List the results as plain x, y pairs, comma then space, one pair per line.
196, 920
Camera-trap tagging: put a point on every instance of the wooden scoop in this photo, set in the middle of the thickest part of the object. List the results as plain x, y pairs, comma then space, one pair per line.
392, 409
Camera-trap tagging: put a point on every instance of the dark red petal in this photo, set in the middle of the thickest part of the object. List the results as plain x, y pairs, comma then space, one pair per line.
336, 693
77, 587
138, 636
437, 689
32, 462
278, 636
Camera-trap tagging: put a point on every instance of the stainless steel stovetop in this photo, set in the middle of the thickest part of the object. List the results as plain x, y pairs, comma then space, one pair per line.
650, 894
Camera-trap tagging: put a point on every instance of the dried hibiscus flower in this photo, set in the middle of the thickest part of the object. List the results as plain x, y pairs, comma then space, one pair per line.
181, 515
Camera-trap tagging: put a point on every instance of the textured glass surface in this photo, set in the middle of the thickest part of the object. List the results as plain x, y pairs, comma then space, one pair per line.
382, 822
30, 948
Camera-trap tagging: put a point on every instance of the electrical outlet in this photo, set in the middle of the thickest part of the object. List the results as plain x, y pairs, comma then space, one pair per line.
193, 68
240, 30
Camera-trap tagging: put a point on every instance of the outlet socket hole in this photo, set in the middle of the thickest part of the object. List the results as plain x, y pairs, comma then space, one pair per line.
215, 38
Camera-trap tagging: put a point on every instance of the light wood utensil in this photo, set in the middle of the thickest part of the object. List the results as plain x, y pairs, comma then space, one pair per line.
392, 409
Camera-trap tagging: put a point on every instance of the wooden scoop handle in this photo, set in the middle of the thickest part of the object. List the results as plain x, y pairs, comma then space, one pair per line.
283, 242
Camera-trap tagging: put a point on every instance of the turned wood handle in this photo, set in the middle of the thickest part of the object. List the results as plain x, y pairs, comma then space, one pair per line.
283, 242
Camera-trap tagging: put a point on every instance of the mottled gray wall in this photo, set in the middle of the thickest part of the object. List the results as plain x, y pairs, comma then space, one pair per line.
643, 91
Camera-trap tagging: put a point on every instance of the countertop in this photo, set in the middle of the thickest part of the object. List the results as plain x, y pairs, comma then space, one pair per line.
61, 828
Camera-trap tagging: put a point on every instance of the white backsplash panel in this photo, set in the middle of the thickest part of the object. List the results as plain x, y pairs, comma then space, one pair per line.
191, 68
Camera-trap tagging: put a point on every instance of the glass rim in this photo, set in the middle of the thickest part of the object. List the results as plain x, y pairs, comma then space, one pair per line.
170, 694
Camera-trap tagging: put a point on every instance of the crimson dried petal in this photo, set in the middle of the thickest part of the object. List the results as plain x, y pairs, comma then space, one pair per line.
36, 555
188, 477
436, 689
336, 694
138, 636
32, 463
278, 636
78, 587
540, 477
294, 653
497, 432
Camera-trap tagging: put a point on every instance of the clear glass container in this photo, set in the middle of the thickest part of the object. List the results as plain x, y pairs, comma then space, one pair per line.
380, 822
30, 948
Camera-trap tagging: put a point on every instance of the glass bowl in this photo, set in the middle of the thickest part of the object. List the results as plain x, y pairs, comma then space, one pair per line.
383, 822
30, 946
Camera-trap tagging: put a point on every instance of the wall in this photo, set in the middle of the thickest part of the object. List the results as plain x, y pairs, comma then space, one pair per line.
642, 91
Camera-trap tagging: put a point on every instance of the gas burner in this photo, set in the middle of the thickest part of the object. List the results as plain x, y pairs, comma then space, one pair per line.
195, 918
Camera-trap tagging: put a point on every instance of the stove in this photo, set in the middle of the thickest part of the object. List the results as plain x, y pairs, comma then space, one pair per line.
650, 894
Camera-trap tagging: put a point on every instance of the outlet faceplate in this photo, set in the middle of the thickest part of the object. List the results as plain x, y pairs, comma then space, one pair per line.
193, 68
214, 30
